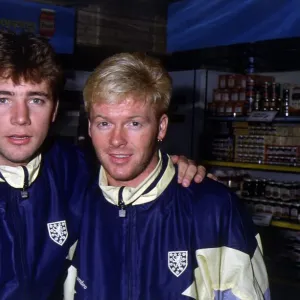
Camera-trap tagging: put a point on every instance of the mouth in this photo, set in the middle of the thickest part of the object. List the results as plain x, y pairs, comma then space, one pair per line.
117, 158
120, 155
19, 139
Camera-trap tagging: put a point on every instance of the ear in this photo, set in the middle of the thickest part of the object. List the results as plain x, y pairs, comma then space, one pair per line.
163, 126
89, 128
55, 110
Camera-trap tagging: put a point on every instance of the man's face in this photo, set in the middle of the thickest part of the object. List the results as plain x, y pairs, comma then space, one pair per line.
125, 137
26, 111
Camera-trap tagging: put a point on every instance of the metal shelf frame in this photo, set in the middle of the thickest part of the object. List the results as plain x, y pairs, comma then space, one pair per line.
228, 164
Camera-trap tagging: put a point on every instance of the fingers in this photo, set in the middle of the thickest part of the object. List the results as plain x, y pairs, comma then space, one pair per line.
212, 176
201, 172
188, 171
174, 159
185, 169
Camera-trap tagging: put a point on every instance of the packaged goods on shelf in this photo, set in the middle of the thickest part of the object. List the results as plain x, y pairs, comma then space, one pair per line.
231, 81
267, 144
293, 92
281, 199
249, 149
222, 148
263, 144
231, 178
239, 95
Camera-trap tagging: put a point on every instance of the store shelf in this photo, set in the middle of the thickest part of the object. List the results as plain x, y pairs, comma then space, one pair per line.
252, 166
245, 119
274, 223
286, 225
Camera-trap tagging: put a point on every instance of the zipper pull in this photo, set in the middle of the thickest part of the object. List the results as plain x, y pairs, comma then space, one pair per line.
122, 213
121, 204
24, 192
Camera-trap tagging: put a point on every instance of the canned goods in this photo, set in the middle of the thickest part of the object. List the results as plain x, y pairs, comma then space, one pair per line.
260, 206
286, 210
257, 188
278, 211
269, 189
286, 192
276, 190
294, 212
247, 187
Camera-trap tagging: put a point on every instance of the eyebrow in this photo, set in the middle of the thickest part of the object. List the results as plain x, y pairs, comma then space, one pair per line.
40, 94
131, 117
6, 93
33, 93
99, 116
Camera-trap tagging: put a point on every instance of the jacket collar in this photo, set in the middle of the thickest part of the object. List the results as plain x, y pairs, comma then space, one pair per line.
15, 176
145, 192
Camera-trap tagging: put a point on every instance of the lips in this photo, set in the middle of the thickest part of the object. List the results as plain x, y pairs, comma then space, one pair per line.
119, 158
17, 139
120, 155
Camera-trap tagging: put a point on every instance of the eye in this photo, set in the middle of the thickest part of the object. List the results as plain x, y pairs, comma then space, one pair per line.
103, 124
3, 100
37, 101
135, 124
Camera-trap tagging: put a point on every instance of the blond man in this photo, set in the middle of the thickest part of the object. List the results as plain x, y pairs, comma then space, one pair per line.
146, 237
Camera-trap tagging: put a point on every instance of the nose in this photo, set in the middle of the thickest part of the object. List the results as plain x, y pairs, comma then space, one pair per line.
20, 114
118, 137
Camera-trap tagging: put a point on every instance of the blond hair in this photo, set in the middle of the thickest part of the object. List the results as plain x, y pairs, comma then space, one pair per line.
126, 74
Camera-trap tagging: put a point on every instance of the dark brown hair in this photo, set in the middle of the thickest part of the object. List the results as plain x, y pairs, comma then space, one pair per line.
29, 58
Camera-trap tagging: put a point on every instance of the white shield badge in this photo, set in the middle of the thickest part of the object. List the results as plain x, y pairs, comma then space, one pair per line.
177, 262
58, 232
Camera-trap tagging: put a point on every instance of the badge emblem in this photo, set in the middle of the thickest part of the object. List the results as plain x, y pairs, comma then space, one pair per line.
58, 232
177, 262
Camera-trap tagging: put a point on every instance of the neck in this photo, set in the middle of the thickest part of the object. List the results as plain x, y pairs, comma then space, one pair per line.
13, 164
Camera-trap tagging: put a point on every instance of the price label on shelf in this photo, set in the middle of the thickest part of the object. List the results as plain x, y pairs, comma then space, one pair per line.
262, 116
262, 219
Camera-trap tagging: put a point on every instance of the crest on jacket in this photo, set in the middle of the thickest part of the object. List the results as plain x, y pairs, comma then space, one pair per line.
177, 262
58, 232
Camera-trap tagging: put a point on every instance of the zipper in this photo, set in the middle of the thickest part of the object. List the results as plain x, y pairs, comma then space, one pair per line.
24, 192
129, 257
126, 212
19, 240
121, 203
18, 228
129, 212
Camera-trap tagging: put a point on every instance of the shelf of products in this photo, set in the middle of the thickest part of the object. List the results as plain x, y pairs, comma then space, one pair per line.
276, 168
243, 150
267, 144
277, 200
239, 95
245, 119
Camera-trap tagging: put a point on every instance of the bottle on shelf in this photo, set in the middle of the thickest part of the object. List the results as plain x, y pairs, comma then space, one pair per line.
286, 101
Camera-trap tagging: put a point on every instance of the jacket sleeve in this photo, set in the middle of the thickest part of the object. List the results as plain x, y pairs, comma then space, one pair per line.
234, 268
70, 280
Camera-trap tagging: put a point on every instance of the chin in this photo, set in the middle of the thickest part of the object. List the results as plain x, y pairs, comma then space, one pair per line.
20, 159
122, 176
